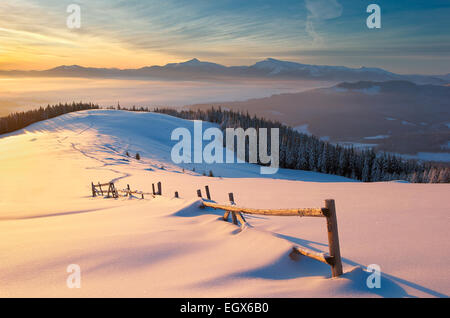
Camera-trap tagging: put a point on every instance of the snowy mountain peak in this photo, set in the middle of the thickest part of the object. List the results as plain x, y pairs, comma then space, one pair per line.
271, 62
373, 69
68, 67
194, 61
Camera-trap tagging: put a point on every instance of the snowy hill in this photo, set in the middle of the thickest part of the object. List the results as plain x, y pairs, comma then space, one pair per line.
169, 247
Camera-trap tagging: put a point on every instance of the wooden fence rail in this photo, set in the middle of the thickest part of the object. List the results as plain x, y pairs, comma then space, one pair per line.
313, 212
328, 212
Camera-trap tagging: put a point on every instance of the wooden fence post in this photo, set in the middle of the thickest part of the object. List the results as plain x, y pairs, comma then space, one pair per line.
110, 190
227, 213
159, 188
114, 191
153, 188
208, 195
199, 193
237, 216
129, 190
333, 238
100, 187
176, 194
93, 189
233, 214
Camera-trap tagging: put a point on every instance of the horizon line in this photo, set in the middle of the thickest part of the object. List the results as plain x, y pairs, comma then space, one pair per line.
225, 65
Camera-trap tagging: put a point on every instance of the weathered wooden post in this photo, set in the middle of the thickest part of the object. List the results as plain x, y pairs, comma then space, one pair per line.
176, 194
93, 189
227, 213
199, 193
208, 195
159, 188
129, 191
333, 238
153, 188
114, 191
100, 187
233, 214
237, 216
241, 218
234, 218
110, 190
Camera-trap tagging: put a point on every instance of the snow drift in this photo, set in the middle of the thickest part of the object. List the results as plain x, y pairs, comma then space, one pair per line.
163, 246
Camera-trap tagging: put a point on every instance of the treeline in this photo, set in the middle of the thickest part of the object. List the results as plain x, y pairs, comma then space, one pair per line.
19, 120
304, 152
297, 150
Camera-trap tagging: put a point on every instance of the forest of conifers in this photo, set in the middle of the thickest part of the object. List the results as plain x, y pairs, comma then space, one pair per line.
304, 152
297, 150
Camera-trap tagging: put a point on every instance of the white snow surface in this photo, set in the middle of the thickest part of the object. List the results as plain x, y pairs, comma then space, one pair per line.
303, 129
430, 156
377, 137
167, 247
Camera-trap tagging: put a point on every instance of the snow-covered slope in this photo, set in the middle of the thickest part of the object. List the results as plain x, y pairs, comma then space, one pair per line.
170, 247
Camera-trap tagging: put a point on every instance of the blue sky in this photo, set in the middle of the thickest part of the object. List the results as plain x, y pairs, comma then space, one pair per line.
414, 37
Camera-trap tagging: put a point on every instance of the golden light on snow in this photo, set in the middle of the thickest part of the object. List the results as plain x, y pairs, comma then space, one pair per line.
134, 247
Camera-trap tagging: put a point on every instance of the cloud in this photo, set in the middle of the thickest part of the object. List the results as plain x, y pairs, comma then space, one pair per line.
323, 9
320, 10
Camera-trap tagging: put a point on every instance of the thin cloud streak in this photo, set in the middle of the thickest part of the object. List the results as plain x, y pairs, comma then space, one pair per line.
318, 11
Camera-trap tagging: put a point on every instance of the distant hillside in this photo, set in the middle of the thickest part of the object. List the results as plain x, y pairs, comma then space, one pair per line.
268, 68
397, 116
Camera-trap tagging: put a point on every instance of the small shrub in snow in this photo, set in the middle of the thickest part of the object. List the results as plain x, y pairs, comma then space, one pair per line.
138, 156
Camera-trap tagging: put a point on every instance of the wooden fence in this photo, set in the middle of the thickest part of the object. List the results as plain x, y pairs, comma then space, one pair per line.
99, 189
328, 211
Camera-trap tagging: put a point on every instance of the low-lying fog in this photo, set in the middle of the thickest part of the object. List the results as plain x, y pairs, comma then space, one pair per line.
28, 93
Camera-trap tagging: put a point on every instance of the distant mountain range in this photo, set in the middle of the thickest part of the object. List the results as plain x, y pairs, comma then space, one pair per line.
399, 113
397, 116
269, 69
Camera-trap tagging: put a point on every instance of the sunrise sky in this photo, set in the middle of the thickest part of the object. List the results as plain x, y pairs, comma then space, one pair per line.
414, 37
